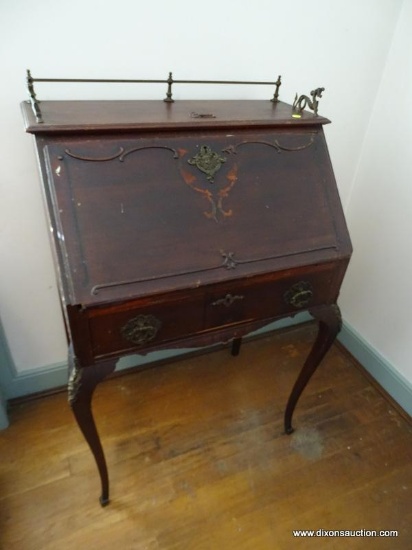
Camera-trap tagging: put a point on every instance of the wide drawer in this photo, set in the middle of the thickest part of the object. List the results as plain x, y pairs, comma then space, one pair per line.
122, 328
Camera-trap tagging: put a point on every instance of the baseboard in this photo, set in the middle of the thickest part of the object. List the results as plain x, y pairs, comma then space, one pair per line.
37, 380
378, 367
4, 421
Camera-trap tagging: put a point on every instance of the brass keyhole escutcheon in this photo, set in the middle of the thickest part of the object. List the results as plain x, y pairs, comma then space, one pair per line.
207, 161
228, 300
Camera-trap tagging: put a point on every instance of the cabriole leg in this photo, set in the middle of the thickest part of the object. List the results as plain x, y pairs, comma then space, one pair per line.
82, 383
330, 323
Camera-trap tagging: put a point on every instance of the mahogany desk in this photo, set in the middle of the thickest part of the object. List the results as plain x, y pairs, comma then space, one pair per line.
186, 224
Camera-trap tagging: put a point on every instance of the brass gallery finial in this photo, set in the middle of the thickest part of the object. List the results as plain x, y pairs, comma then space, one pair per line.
33, 99
304, 101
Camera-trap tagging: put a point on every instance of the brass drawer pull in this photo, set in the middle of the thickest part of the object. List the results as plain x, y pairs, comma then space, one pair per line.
141, 329
299, 295
227, 300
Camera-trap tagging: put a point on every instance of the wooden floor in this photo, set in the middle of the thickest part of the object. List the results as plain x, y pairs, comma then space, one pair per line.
198, 460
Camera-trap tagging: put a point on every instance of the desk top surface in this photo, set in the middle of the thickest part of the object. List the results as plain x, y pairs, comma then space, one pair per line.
104, 116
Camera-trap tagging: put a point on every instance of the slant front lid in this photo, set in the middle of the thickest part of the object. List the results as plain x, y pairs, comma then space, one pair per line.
142, 212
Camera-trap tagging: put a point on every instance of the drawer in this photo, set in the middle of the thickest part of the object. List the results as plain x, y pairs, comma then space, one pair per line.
120, 329
236, 303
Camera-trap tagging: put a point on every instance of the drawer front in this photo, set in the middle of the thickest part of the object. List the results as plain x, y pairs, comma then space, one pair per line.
121, 329
237, 303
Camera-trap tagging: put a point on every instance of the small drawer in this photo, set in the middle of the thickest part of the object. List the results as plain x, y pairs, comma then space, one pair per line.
119, 329
235, 304
230, 304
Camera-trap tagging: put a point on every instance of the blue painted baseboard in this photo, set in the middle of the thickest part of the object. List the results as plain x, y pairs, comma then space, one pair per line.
53, 376
378, 367
4, 421
5, 369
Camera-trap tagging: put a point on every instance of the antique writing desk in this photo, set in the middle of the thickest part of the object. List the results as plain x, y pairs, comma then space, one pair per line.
183, 224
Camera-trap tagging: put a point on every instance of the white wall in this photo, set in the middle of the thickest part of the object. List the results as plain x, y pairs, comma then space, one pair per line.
341, 45
377, 296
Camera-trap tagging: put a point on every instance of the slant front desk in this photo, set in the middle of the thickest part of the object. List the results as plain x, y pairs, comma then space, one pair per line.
186, 224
